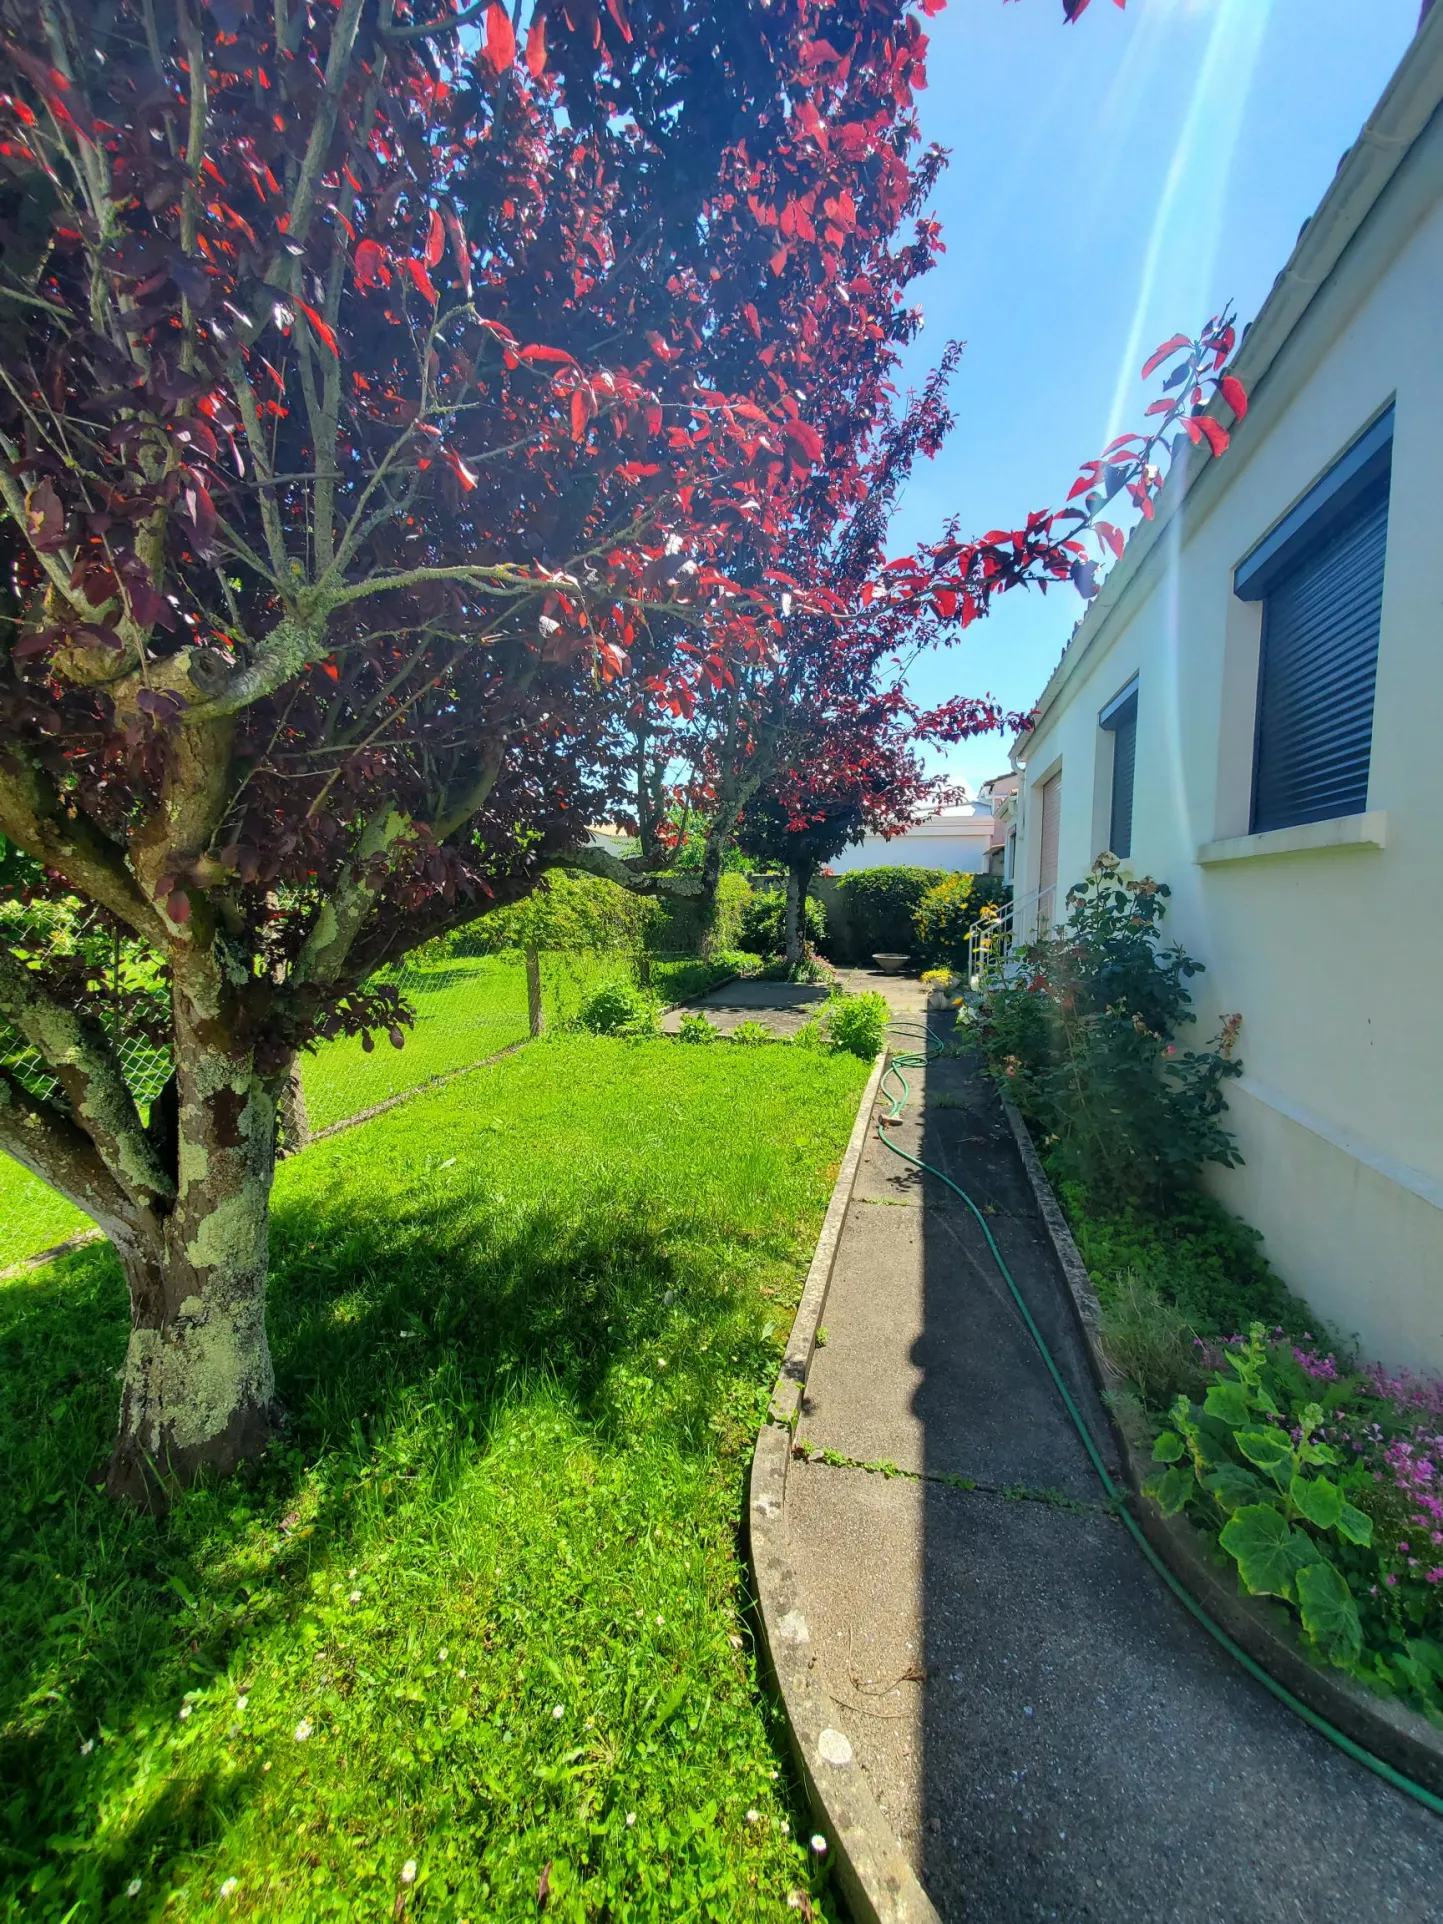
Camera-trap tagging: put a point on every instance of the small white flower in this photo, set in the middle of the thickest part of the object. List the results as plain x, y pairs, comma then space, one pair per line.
460, 1673
669, 1298
443, 1655
353, 1573
754, 1817
355, 1596
265, 1766
230, 1887
303, 1730
630, 1819
132, 1889
785, 1824
408, 1871
241, 1701
819, 1843
558, 1710
660, 1618
185, 1711
87, 1747
735, 1641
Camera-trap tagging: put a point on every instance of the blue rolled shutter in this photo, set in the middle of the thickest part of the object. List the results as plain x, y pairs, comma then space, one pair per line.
1124, 764
1316, 675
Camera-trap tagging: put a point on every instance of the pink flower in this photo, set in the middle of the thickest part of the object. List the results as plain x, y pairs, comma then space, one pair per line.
1434, 1576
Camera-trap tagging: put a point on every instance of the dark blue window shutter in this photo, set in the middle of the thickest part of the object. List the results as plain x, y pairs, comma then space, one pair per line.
1316, 675
1124, 764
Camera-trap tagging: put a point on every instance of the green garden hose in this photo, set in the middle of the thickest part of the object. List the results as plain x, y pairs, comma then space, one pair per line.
1119, 1497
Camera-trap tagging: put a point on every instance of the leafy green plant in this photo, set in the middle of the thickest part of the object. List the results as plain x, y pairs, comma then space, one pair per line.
857, 1023
1194, 1256
696, 1028
752, 1035
616, 1009
879, 905
1262, 1465
1082, 1038
945, 916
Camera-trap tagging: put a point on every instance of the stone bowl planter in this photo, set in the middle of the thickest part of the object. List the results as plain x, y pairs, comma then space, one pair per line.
891, 964
938, 1000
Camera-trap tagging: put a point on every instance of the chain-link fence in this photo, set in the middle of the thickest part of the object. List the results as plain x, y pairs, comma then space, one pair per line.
467, 1008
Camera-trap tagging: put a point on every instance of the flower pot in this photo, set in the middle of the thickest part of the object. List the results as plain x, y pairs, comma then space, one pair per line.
891, 964
939, 999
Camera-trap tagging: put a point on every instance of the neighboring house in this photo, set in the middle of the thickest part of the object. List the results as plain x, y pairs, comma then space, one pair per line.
1001, 792
955, 837
1251, 713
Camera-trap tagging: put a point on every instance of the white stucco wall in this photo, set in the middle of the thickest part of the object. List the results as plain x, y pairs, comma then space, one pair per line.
953, 840
1333, 955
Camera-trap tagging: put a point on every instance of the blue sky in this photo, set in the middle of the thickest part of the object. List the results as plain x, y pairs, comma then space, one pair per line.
1112, 183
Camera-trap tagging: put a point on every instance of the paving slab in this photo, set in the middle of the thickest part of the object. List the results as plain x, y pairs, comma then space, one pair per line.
1050, 1734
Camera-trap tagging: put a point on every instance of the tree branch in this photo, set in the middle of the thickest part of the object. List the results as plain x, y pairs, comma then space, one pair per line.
80, 1055
50, 1146
33, 817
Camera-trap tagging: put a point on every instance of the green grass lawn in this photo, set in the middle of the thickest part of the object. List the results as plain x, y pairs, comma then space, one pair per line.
466, 1009
484, 1611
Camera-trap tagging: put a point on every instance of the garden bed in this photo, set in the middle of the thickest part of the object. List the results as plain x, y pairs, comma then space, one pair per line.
483, 1615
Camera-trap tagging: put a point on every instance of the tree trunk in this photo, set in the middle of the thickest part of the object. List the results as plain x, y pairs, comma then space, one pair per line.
199, 1389
536, 1013
799, 880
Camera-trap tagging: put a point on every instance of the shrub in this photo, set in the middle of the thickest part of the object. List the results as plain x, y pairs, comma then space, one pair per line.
565, 912
946, 914
679, 923
764, 922
857, 1023
1082, 1039
880, 904
616, 1008
696, 1028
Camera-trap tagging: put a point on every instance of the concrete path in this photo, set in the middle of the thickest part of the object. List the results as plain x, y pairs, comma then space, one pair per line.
781, 1007
1051, 1736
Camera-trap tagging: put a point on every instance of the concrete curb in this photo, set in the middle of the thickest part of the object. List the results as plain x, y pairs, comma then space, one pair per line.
1398, 1736
876, 1880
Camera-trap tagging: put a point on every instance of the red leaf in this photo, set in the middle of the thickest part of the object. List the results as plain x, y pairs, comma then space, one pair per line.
371, 268
1235, 394
614, 8
548, 354
500, 40
459, 468
325, 333
580, 413
536, 46
1156, 359
1217, 434
177, 907
805, 442
421, 279
1112, 536
435, 241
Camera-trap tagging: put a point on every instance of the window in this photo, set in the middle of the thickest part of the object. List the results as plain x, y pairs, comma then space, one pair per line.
1319, 576
1119, 719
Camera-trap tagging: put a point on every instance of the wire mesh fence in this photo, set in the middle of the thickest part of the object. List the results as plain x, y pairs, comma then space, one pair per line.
467, 1009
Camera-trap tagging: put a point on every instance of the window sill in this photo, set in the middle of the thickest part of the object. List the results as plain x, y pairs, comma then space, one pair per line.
1343, 831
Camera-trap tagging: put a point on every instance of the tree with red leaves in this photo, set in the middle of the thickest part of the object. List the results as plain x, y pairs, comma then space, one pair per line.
387, 413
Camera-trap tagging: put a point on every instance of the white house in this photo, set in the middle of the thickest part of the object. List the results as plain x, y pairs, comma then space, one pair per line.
1252, 711
955, 837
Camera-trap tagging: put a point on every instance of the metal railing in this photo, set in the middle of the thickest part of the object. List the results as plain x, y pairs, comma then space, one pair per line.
994, 936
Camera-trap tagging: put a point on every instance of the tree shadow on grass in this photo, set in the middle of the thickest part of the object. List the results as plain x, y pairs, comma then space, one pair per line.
401, 1335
